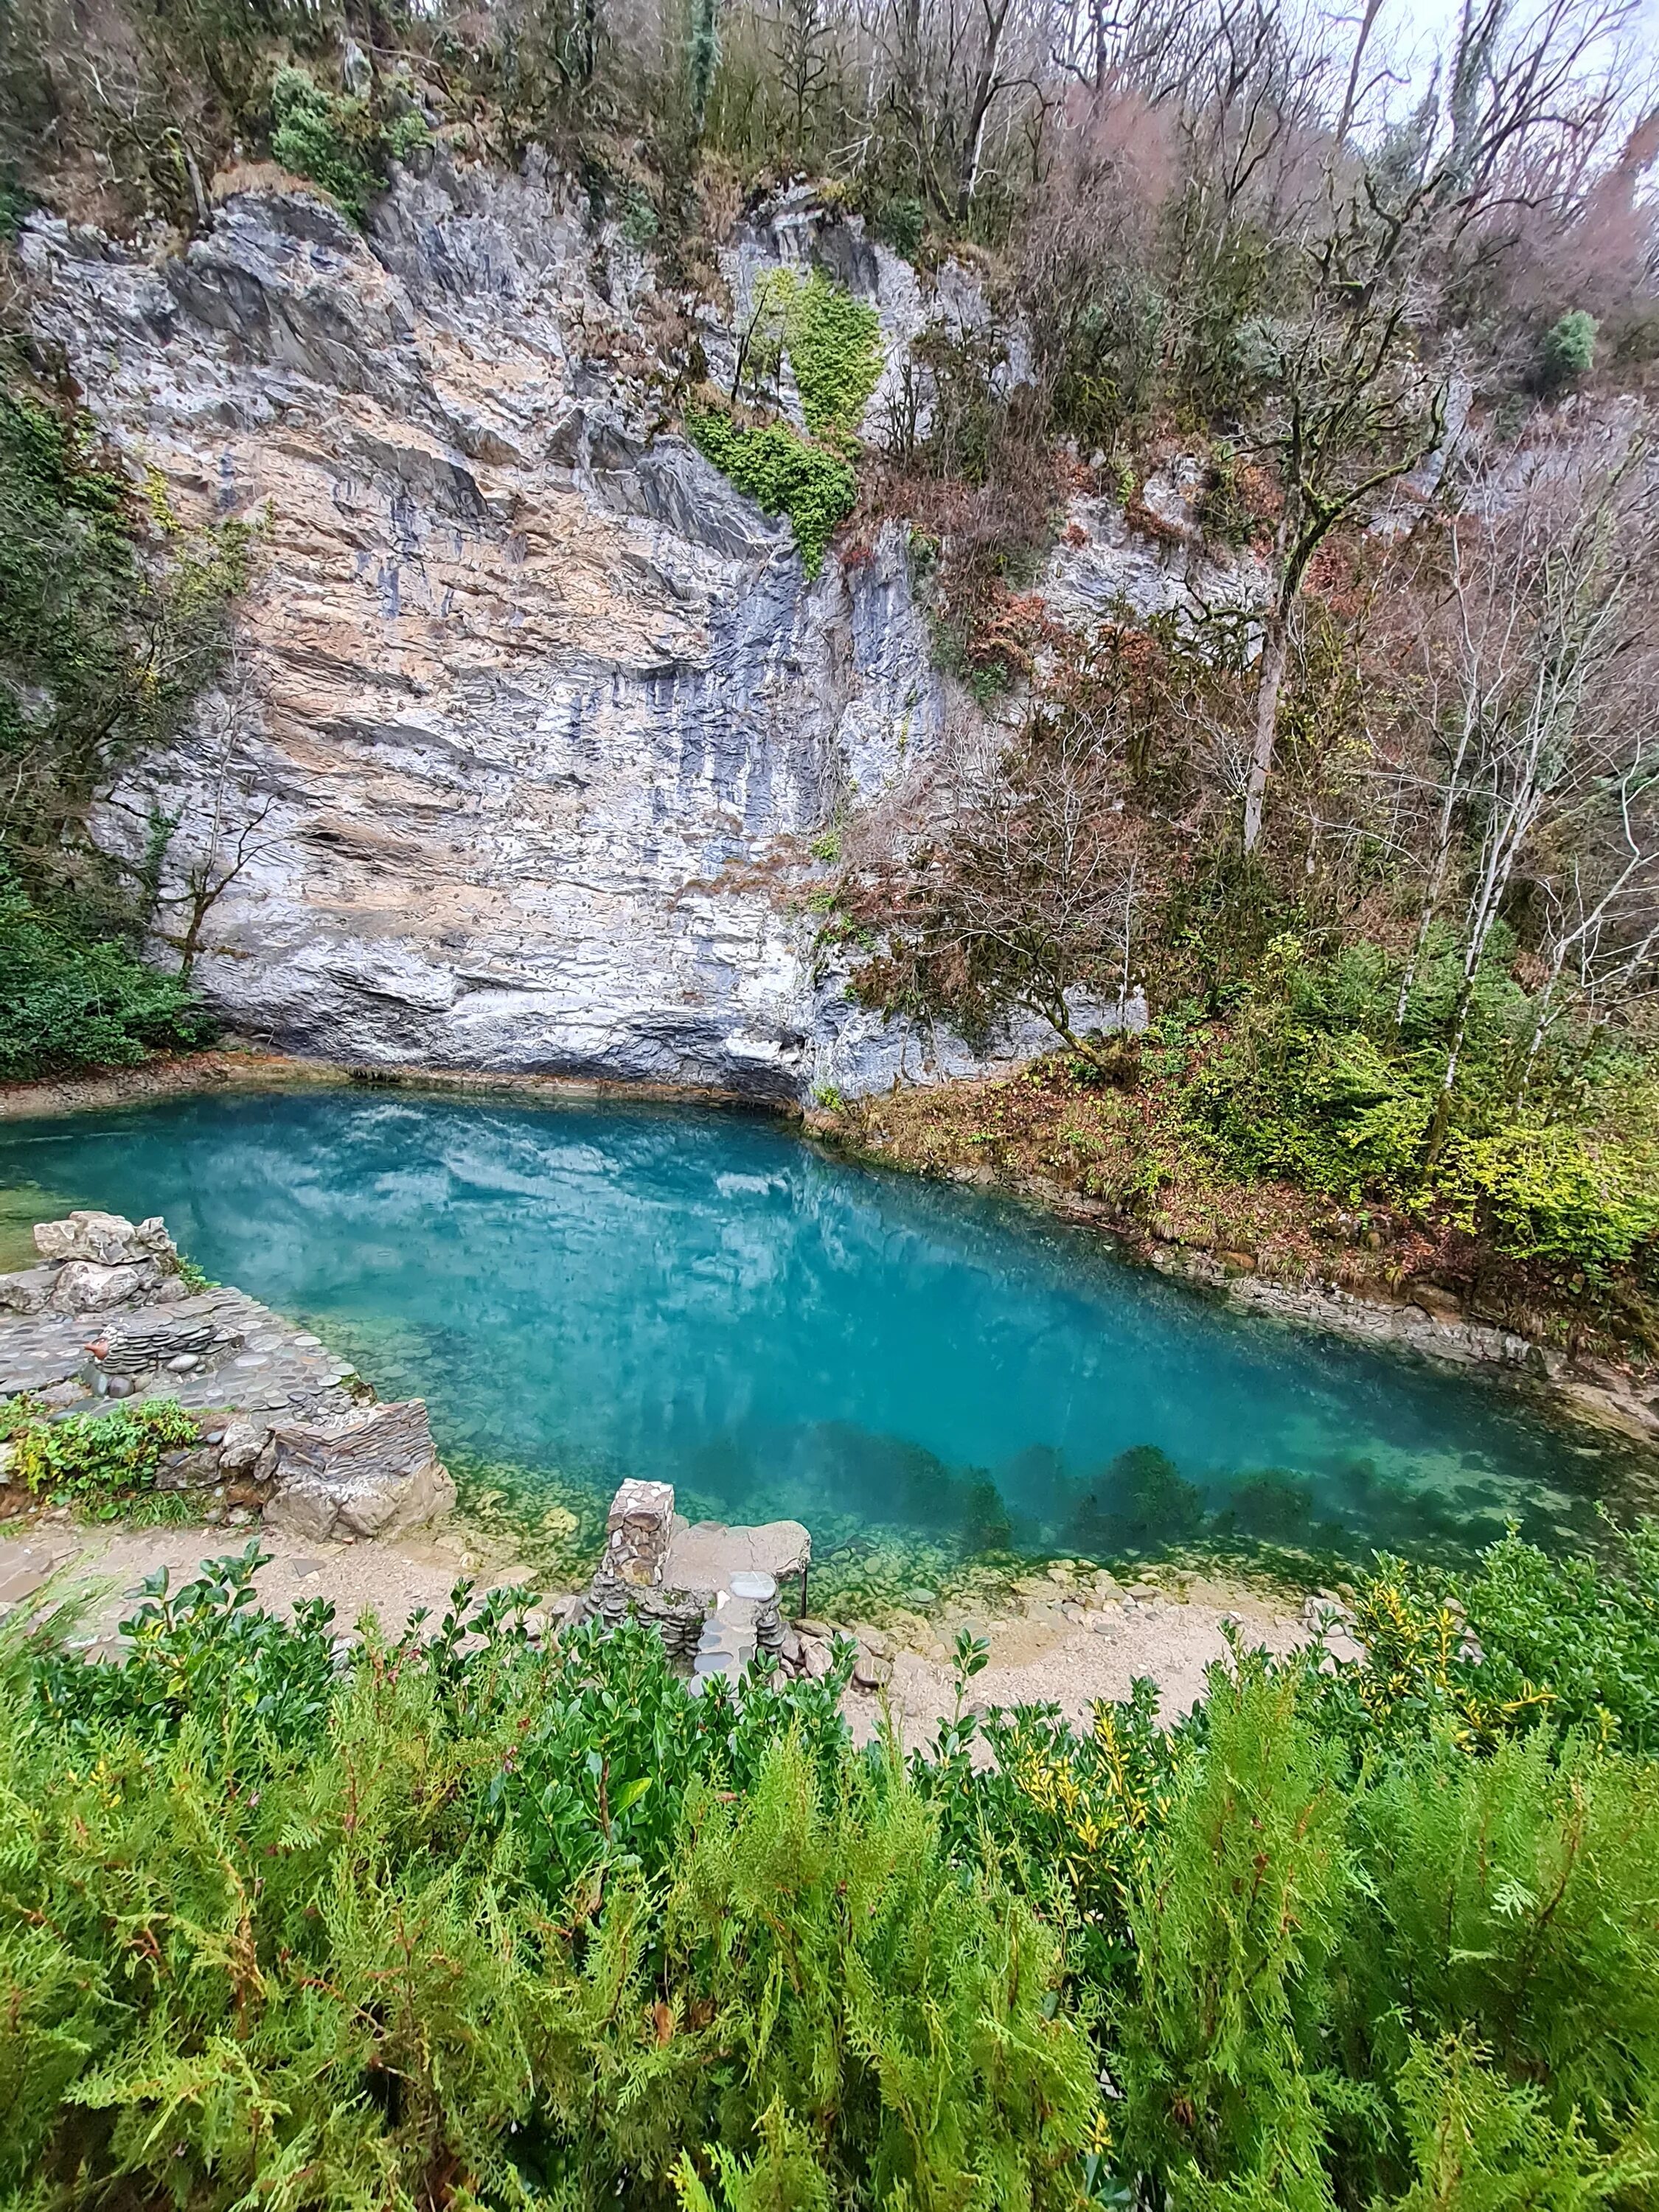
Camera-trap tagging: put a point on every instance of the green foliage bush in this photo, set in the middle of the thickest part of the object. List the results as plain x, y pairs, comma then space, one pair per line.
455, 1919
115, 620
96, 1460
321, 136
833, 344
783, 472
322, 1936
1555, 1192
901, 222
1314, 1076
1568, 349
68, 1000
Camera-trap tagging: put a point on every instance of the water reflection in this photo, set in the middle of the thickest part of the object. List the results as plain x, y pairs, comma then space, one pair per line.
606, 1290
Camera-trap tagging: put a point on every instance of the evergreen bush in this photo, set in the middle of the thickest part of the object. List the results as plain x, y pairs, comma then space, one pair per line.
1568, 349
453, 1919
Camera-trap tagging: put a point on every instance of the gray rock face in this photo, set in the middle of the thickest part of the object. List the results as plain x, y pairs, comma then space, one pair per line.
532, 718
369, 1473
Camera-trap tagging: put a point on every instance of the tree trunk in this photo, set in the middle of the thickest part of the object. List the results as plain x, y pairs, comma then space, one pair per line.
1270, 679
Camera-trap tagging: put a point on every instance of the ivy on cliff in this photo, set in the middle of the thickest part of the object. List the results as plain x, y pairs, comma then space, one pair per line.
832, 342
783, 472
834, 345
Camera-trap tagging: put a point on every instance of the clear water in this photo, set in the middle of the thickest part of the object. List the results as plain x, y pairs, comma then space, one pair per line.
596, 1290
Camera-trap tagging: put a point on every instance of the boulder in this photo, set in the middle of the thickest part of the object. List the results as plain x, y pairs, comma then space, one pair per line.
28, 1290
109, 1240
243, 1445
372, 1472
92, 1286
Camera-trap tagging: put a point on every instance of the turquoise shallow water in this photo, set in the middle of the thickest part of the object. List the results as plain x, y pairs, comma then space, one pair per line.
698, 1296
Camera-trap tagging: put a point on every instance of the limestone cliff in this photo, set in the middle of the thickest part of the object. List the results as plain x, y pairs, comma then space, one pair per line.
533, 718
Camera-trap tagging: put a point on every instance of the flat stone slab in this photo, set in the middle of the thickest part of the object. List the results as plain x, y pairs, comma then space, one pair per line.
706, 1554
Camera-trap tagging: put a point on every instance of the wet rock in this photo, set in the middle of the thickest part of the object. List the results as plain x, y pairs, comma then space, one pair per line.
372, 1472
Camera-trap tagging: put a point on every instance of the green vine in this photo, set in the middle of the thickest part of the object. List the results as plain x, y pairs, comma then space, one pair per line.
783, 472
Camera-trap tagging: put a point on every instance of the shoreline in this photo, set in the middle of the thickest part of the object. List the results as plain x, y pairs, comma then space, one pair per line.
1519, 1362
200, 1074
1523, 1364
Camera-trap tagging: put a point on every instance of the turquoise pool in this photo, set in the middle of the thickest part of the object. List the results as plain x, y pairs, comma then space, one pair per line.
601, 1289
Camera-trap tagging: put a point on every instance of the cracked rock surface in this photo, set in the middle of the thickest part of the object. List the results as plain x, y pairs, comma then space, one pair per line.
532, 719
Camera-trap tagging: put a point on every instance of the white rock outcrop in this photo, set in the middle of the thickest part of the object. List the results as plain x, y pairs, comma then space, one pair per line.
533, 719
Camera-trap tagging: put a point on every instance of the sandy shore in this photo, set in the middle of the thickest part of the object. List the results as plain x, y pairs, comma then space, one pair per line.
1047, 1648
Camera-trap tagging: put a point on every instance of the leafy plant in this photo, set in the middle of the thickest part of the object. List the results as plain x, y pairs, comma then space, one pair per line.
319, 135
95, 1460
69, 1001
783, 472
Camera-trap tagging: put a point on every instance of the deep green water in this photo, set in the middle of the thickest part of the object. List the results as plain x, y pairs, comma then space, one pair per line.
609, 1289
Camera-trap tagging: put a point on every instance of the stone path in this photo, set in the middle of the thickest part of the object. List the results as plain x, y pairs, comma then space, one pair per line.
240, 1352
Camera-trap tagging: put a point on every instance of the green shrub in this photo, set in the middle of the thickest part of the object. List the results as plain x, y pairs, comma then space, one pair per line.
455, 1919
1568, 352
271, 1926
783, 472
115, 619
901, 224
1554, 1191
68, 1002
319, 135
1514, 1897
96, 1460
1236, 1918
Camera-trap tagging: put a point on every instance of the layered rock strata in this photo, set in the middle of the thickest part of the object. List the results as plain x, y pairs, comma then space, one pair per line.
533, 722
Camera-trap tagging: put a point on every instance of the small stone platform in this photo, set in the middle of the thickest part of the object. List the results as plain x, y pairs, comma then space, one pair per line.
287, 1427
710, 1590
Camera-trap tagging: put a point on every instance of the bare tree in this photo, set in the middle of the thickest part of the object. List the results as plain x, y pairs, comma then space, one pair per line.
1541, 585
225, 835
1030, 900
1350, 413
